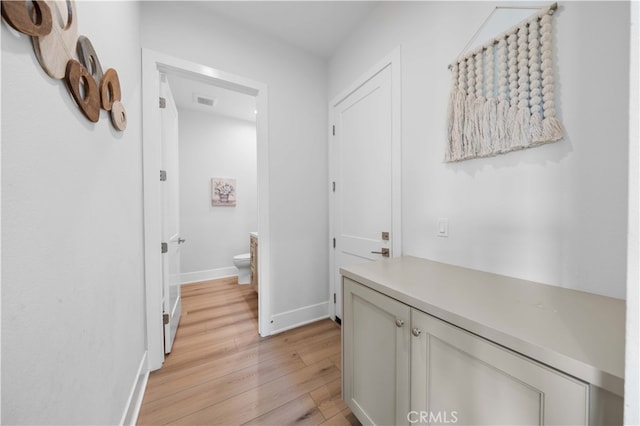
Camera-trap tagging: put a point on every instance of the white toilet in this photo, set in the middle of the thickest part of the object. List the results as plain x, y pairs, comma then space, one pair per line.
243, 264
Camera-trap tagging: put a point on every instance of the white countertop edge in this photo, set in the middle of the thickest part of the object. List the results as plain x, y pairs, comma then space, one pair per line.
545, 355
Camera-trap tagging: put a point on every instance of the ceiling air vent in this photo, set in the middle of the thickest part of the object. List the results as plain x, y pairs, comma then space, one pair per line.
204, 100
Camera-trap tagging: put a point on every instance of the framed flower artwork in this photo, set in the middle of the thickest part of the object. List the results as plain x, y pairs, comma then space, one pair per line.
223, 191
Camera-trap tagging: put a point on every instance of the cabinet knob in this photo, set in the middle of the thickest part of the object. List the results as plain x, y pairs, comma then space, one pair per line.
399, 323
416, 332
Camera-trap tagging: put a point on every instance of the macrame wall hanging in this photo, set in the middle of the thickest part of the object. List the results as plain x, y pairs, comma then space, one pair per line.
502, 95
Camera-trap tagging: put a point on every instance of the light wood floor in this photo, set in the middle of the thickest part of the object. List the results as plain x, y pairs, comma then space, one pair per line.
221, 372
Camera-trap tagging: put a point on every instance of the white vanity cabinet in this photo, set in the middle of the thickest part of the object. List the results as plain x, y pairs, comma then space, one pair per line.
427, 343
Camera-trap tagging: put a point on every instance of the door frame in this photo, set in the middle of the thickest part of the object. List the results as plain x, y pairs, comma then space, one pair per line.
392, 60
152, 62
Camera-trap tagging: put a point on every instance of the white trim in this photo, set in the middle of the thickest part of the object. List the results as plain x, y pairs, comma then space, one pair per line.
132, 409
211, 274
632, 347
393, 59
299, 317
152, 62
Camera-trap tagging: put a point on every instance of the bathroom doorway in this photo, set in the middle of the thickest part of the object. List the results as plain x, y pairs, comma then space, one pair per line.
217, 178
155, 63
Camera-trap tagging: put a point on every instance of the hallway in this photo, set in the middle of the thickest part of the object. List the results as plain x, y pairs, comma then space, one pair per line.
222, 372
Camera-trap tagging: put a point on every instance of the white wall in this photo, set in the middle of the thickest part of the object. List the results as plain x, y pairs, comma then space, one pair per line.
72, 286
297, 138
554, 214
215, 146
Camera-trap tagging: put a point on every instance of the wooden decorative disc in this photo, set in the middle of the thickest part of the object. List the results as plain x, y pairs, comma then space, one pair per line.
18, 15
89, 58
118, 116
110, 89
57, 48
78, 79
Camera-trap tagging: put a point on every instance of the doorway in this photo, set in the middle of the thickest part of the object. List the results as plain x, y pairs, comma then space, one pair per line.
154, 63
365, 202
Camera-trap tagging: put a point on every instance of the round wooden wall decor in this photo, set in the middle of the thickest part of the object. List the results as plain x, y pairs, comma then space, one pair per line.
118, 116
78, 80
89, 58
53, 27
34, 23
110, 89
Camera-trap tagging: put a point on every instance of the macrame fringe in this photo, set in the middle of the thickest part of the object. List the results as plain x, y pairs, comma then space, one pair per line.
489, 126
551, 130
478, 125
535, 126
515, 109
520, 131
470, 134
486, 127
502, 136
456, 127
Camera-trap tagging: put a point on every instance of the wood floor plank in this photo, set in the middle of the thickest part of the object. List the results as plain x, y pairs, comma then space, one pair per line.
337, 420
337, 360
187, 399
264, 398
216, 367
300, 411
328, 398
317, 350
221, 371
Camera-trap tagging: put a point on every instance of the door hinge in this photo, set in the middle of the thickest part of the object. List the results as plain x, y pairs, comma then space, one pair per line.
334, 243
163, 175
334, 130
334, 186
163, 103
164, 247
165, 319
334, 298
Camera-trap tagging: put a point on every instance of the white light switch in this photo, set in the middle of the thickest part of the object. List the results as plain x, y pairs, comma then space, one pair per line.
443, 227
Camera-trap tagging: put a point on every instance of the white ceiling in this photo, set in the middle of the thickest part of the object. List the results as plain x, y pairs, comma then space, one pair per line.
226, 102
317, 27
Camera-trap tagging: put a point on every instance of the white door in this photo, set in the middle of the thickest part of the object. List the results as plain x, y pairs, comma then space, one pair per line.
169, 189
363, 194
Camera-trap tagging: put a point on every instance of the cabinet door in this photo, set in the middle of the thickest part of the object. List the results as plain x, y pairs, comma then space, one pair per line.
458, 377
375, 337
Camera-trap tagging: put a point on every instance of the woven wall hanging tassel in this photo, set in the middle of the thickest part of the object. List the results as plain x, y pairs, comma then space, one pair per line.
502, 93
535, 95
490, 109
481, 148
502, 112
455, 118
520, 132
552, 130
512, 57
469, 136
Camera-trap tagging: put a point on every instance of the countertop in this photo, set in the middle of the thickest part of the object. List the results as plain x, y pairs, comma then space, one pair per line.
579, 333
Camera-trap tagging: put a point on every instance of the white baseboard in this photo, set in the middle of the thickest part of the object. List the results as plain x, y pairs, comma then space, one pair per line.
132, 409
211, 274
298, 317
